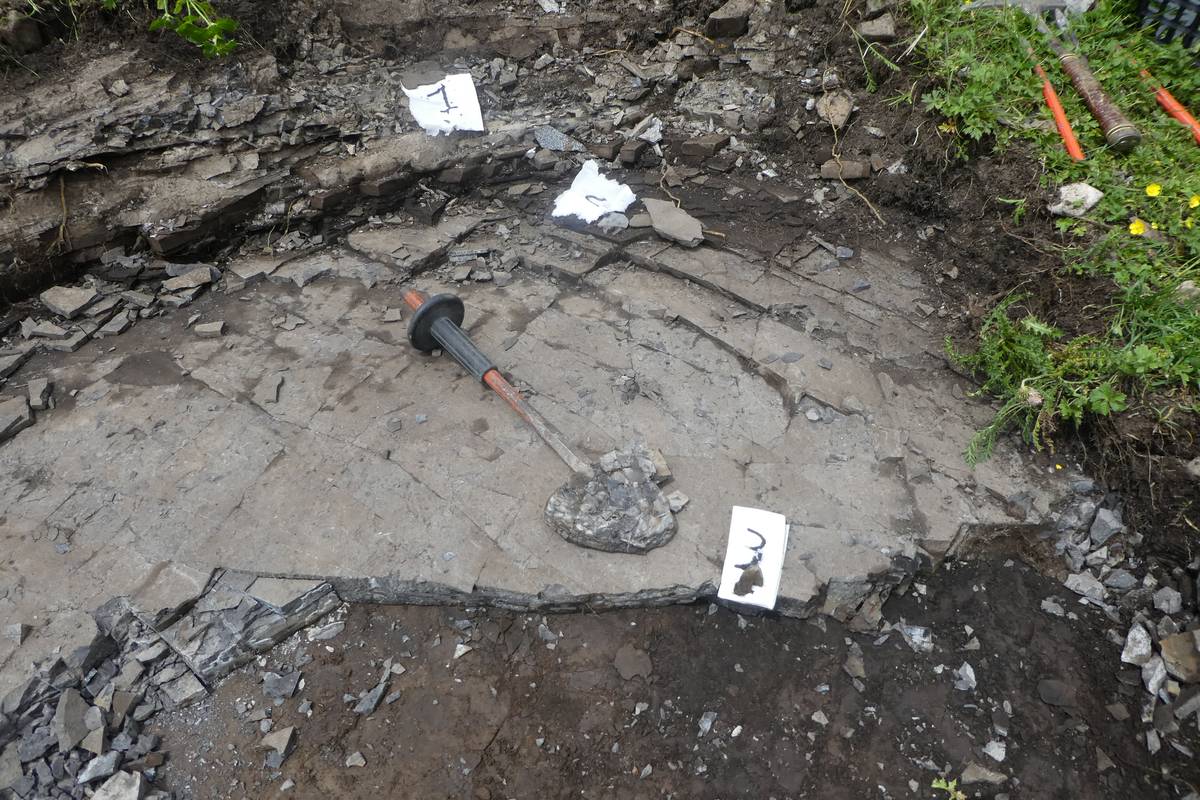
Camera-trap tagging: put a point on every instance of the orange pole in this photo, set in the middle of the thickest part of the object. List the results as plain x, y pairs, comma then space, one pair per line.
413, 298
1173, 106
1060, 115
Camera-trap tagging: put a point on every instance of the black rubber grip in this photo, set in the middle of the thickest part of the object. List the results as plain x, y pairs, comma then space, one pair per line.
455, 342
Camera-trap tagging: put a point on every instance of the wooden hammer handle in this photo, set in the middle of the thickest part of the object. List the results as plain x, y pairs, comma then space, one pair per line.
1120, 133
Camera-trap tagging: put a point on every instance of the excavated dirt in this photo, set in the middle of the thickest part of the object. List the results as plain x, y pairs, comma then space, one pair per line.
609, 705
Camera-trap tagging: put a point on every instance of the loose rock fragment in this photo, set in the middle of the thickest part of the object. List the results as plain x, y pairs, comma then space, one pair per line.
192, 279
613, 222
210, 330
619, 508
1181, 655
278, 686
674, 223
115, 326
16, 632
1154, 674
677, 500
14, 416
1086, 584
356, 759
835, 108
281, 741
846, 170
854, 666
42, 330
1138, 647
964, 678
706, 722
553, 139
139, 299
974, 773
1188, 703
1075, 200
11, 362
1053, 608
370, 701
1121, 580
99, 767
1106, 525
326, 632
94, 742
68, 301
288, 322
705, 146
880, 29
731, 19
1168, 601
69, 724
918, 638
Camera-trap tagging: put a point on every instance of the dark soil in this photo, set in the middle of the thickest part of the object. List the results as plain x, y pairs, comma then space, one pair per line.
522, 716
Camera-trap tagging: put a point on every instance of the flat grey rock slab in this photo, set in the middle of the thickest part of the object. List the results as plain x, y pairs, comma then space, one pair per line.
410, 247
68, 301
391, 476
193, 278
673, 223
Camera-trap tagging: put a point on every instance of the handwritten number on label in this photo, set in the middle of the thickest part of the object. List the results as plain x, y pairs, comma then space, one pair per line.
445, 98
756, 549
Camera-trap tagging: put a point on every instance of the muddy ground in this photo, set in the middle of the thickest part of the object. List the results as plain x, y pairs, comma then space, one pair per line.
609, 705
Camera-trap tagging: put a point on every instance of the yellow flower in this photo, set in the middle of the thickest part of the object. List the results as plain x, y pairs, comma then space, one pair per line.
1187, 223
1137, 227
1194, 201
1153, 190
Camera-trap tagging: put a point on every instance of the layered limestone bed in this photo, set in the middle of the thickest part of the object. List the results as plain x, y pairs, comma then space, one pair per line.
309, 441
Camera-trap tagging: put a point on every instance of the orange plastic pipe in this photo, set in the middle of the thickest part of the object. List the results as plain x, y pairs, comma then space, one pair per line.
1173, 106
1060, 115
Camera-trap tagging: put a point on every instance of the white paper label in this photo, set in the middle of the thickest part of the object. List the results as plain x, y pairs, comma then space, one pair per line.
449, 105
754, 558
591, 195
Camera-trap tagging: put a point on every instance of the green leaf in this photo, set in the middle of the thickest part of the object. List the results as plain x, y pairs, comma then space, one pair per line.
1036, 326
1105, 400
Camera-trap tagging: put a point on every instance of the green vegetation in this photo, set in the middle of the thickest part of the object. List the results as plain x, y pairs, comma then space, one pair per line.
950, 788
195, 21
1141, 346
